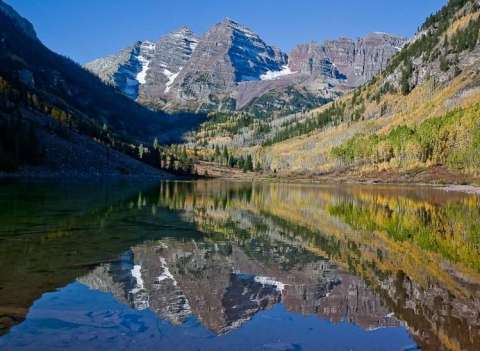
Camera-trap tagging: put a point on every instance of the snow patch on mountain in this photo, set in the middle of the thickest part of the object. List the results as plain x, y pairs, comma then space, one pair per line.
271, 75
140, 298
270, 281
142, 75
193, 44
166, 272
144, 58
171, 78
137, 274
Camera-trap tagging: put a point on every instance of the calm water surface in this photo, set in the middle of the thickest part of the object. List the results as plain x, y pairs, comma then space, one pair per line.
236, 266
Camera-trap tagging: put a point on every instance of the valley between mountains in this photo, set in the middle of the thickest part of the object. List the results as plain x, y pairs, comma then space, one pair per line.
225, 103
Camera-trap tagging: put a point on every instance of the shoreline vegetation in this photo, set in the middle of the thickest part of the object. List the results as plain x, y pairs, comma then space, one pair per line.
427, 176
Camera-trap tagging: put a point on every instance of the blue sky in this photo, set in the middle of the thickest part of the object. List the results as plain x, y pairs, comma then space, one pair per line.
86, 29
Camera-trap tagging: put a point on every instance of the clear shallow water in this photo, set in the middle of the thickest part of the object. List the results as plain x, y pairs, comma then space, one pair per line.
231, 266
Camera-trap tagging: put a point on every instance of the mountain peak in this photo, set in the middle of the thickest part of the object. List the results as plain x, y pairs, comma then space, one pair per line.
230, 21
183, 31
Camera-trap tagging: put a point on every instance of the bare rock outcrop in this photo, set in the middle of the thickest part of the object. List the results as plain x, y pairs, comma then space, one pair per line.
358, 60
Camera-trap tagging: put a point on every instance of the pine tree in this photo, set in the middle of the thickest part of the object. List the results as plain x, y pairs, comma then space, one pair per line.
249, 163
444, 64
405, 79
160, 158
184, 156
241, 162
164, 160
171, 163
225, 155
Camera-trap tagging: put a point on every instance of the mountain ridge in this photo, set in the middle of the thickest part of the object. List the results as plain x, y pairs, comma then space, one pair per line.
230, 56
20, 22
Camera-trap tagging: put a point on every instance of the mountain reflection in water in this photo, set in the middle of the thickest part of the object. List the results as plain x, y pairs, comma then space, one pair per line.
233, 266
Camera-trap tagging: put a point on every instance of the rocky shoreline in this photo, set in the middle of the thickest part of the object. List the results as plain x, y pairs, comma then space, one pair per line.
469, 189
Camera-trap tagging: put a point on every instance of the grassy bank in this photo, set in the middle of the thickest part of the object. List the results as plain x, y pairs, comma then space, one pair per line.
451, 140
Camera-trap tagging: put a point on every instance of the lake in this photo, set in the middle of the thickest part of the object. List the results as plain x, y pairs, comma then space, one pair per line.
216, 265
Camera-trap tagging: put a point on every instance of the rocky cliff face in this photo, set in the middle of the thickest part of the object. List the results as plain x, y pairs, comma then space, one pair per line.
356, 60
310, 59
172, 52
232, 68
250, 56
228, 54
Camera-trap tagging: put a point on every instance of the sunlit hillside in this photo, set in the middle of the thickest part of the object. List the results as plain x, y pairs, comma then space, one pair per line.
381, 126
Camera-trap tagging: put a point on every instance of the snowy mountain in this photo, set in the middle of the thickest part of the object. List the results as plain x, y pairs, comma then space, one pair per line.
228, 54
250, 56
126, 70
172, 52
232, 68
147, 69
